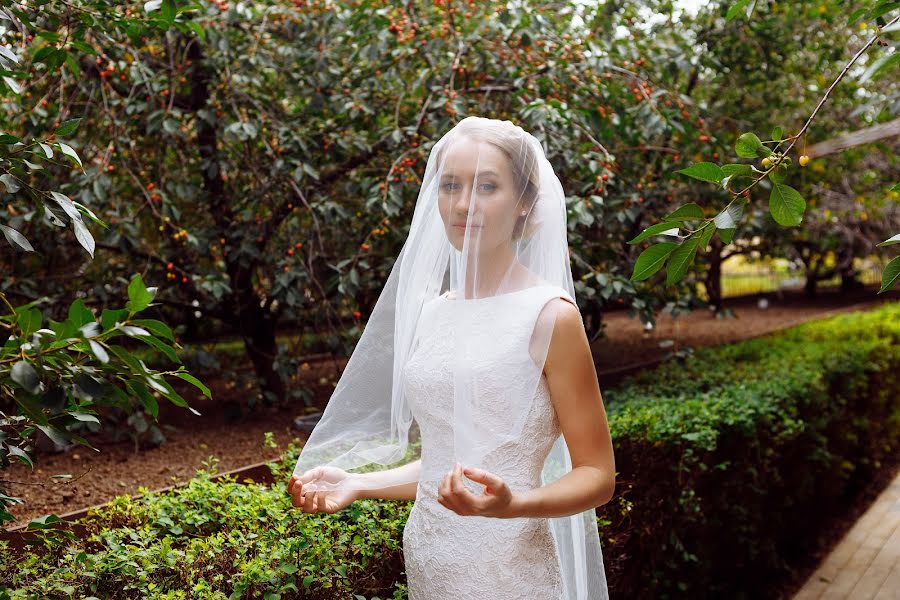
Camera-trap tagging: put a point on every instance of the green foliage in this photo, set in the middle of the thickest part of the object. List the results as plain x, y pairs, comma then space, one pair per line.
724, 451
58, 378
739, 454
221, 539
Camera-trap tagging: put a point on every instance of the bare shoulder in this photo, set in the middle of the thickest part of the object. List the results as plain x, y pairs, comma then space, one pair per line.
569, 338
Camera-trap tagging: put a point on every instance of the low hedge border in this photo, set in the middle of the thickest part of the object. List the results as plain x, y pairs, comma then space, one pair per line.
728, 463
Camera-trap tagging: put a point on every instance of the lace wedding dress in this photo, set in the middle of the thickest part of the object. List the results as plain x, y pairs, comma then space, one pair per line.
447, 555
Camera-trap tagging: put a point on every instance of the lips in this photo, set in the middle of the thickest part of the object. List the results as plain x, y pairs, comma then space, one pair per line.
463, 226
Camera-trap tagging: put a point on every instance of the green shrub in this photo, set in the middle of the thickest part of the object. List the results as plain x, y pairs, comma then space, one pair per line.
728, 463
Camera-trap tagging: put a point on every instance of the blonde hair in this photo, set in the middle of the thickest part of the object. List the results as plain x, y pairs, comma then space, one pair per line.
514, 142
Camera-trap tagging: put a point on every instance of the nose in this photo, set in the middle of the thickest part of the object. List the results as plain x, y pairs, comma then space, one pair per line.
461, 202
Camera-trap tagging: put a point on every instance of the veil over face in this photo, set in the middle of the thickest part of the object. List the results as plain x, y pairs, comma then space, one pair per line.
489, 220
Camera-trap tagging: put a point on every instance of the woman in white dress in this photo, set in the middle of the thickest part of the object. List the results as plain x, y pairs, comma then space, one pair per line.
476, 348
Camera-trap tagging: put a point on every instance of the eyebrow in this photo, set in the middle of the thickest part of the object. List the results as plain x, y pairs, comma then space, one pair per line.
485, 172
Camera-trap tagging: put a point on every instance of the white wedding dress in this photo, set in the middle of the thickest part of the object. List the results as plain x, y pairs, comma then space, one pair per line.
449, 556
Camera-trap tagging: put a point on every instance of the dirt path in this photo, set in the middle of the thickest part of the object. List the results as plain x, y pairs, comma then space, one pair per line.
118, 470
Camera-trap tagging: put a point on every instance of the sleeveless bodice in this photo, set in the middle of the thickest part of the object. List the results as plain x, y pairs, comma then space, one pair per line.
450, 555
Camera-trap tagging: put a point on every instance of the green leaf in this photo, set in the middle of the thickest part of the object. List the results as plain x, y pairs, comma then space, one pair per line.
704, 171
779, 173
890, 274
21, 455
109, 317
139, 297
708, 230
85, 417
786, 205
13, 84
681, 259
70, 152
725, 235
196, 382
54, 434
737, 169
776, 133
139, 389
84, 237
67, 127
84, 209
128, 359
99, 352
157, 328
651, 260
67, 205
29, 319
895, 239
161, 346
16, 239
25, 375
79, 314
657, 229
157, 382
736, 9
729, 217
168, 11
686, 212
747, 145
10, 182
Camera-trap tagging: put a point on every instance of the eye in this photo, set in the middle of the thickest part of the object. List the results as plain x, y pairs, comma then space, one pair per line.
444, 186
491, 187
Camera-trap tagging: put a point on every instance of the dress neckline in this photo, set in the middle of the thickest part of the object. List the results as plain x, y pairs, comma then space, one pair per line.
445, 296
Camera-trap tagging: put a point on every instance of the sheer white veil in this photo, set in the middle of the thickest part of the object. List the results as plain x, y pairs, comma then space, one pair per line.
490, 219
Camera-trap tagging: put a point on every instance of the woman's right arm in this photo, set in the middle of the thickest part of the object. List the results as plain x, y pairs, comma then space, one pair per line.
384, 483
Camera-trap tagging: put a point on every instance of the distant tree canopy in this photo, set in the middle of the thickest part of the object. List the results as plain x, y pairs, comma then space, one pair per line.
259, 161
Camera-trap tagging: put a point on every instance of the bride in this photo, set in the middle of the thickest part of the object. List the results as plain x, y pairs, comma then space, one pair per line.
472, 390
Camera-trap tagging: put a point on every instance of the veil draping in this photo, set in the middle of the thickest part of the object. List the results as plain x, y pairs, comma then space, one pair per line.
490, 219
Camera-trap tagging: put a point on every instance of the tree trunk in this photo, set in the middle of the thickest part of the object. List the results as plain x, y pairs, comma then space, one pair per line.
255, 322
713, 280
258, 331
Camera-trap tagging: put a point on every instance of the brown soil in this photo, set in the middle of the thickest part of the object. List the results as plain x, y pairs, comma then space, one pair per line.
118, 469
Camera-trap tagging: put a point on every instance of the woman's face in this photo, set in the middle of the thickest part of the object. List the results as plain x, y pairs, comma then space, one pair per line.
477, 173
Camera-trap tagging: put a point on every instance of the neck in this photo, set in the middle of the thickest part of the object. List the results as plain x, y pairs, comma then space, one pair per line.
491, 271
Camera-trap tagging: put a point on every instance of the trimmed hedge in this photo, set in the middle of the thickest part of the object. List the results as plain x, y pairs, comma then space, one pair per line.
727, 462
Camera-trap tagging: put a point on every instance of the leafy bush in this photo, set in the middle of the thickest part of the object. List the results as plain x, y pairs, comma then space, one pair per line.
739, 455
55, 378
220, 539
728, 464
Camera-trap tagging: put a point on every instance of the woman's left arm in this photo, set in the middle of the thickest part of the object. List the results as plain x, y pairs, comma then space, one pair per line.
575, 393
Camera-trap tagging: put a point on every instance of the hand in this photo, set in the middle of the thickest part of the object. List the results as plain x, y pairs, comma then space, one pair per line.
327, 501
496, 501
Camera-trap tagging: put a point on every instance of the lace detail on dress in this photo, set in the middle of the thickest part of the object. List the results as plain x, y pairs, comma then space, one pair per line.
453, 556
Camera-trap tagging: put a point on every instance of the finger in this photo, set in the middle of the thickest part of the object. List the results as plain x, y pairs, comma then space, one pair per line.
456, 484
291, 483
493, 482
463, 495
444, 485
311, 474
